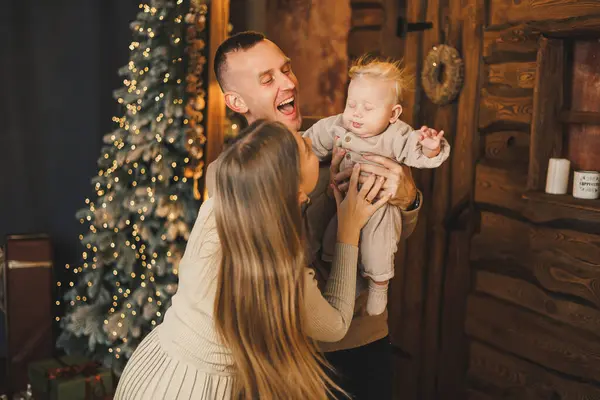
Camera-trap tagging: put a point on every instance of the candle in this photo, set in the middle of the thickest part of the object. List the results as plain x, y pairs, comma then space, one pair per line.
558, 176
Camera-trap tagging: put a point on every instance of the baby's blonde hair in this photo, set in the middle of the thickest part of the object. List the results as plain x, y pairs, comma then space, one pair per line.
386, 69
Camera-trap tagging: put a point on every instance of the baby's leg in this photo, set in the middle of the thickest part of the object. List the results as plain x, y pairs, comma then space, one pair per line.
379, 242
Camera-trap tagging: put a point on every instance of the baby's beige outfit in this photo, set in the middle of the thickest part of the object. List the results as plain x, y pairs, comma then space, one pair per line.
380, 236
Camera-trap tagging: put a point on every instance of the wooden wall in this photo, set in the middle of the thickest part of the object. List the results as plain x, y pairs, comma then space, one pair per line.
314, 34
534, 301
496, 293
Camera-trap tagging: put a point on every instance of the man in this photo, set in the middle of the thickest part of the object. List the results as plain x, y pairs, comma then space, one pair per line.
258, 82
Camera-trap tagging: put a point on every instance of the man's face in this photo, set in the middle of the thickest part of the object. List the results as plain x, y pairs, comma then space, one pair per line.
262, 76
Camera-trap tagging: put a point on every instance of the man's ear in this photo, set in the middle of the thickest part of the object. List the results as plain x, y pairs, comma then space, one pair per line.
235, 102
396, 112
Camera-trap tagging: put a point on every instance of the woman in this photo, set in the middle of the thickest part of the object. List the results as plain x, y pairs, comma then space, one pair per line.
239, 323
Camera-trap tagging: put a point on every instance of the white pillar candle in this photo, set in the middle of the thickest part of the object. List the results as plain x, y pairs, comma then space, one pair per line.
557, 180
586, 184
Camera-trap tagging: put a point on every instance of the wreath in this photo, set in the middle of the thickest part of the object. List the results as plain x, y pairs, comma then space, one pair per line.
442, 75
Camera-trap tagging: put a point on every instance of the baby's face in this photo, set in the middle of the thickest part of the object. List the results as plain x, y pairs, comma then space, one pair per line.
369, 107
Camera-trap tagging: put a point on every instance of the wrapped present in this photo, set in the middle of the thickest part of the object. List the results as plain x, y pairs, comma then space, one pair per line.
70, 378
27, 305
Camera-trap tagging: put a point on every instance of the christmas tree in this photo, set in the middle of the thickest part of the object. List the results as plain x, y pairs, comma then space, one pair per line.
144, 206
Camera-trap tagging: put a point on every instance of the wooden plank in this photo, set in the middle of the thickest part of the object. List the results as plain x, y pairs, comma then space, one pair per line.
512, 43
509, 147
519, 379
367, 18
215, 113
559, 260
531, 297
543, 207
453, 341
580, 117
514, 75
465, 150
566, 261
361, 41
393, 45
537, 339
499, 186
546, 131
410, 337
440, 117
511, 12
452, 348
496, 239
571, 26
504, 110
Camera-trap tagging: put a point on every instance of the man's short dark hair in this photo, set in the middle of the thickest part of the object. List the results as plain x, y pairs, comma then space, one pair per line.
240, 41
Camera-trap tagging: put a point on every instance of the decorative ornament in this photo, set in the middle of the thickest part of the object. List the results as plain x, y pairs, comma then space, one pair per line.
442, 74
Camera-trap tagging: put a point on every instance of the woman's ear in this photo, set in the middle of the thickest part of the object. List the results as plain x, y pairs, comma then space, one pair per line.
235, 102
396, 112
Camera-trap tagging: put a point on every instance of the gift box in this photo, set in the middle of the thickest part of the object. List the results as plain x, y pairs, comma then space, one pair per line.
27, 305
70, 378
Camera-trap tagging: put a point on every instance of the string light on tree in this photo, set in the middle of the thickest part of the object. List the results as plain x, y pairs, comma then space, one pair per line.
129, 241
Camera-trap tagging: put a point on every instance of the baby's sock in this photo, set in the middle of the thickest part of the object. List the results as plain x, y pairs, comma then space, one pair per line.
377, 300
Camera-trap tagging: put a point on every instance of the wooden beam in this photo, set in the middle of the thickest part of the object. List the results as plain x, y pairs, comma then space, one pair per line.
513, 75
501, 185
503, 109
507, 147
580, 117
511, 12
558, 260
515, 378
544, 207
215, 114
524, 294
409, 337
546, 130
446, 17
515, 43
537, 339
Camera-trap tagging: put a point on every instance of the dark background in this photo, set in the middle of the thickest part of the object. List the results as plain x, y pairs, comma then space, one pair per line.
58, 68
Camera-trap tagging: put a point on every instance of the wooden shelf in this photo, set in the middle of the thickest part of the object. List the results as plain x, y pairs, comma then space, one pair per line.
579, 117
543, 207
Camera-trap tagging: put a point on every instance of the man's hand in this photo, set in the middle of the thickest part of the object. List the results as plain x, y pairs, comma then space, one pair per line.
398, 178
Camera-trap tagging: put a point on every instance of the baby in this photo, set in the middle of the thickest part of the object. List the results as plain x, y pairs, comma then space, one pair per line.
370, 124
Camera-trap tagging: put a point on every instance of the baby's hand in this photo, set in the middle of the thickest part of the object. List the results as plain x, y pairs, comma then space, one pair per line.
430, 139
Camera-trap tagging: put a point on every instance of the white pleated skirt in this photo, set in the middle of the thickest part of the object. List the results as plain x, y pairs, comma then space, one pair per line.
152, 373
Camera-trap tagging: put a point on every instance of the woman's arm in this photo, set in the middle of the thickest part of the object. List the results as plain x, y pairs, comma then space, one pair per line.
328, 315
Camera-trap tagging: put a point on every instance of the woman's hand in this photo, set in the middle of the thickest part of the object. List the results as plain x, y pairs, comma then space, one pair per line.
398, 179
355, 210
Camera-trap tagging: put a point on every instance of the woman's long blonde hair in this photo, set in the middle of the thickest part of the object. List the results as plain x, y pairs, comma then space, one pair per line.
259, 309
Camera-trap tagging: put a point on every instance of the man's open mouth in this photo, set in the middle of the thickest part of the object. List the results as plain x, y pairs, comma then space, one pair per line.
287, 106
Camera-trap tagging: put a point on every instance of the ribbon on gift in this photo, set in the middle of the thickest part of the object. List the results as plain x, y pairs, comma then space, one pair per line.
94, 387
95, 391
70, 371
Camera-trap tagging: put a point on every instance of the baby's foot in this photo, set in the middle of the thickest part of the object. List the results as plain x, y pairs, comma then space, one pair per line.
377, 300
